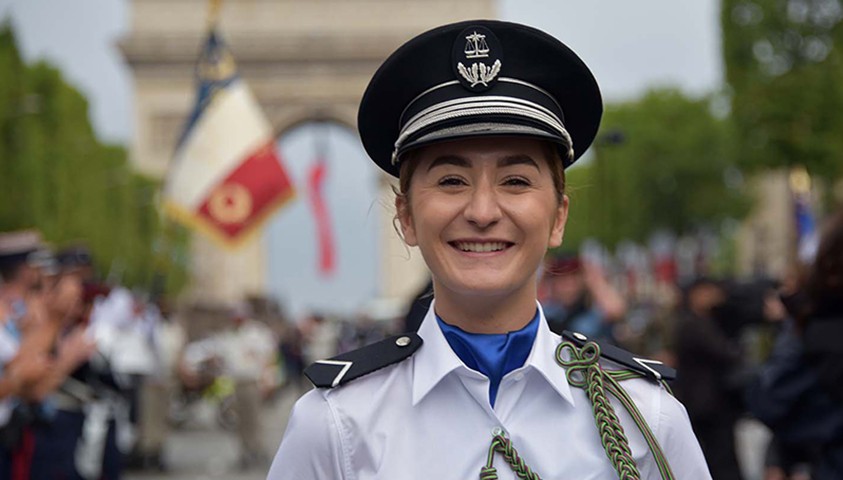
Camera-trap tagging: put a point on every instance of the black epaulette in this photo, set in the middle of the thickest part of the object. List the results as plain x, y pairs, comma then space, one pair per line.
652, 369
363, 361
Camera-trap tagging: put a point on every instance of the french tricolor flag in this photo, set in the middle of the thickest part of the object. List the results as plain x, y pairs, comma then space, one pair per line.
226, 176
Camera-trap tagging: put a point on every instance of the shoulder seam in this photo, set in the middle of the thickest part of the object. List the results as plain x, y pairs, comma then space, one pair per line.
346, 456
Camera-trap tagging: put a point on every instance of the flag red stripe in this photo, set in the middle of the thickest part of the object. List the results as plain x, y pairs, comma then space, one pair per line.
247, 193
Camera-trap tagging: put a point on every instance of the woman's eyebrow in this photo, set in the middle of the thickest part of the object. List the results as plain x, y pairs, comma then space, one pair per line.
449, 160
520, 159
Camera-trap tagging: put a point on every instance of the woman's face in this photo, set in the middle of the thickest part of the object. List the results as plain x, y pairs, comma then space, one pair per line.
483, 212
65, 297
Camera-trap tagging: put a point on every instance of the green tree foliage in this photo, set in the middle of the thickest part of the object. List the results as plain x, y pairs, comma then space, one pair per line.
57, 177
663, 162
784, 66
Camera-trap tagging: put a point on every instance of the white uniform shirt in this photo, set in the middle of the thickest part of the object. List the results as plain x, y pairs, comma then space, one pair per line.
9, 345
428, 417
248, 350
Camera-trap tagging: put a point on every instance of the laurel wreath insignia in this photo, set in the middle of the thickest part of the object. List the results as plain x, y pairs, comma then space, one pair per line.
480, 73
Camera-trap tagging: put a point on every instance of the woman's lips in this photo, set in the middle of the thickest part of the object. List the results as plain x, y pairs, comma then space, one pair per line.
480, 246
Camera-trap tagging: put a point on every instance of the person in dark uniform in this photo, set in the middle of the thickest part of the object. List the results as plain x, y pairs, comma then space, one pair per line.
478, 120
22, 363
798, 391
707, 356
44, 296
80, 439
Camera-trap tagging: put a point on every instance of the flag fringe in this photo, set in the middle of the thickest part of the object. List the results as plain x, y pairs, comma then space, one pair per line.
197, 222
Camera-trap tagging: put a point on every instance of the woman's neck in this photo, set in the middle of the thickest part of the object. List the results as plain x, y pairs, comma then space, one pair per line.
482, 314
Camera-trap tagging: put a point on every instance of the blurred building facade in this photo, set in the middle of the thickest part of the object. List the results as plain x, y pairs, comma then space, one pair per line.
767, 237
305, 60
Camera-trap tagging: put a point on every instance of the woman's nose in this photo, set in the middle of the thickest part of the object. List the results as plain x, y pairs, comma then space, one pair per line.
483, 208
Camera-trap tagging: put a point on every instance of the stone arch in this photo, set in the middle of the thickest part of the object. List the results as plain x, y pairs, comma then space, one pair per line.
294, 117
304, 60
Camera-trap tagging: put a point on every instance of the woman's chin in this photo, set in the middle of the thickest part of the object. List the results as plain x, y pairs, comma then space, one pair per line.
490, 289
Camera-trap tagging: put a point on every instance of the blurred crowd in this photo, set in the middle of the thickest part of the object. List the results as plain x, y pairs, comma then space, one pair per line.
94, 376
762, 348
77, 356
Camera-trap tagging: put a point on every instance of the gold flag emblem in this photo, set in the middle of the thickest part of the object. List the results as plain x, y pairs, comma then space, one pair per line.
230, 203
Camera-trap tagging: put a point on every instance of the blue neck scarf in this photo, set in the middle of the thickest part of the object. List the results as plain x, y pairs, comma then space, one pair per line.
492, 354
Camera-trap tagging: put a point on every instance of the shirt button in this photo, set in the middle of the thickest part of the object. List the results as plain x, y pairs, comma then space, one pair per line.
498, 431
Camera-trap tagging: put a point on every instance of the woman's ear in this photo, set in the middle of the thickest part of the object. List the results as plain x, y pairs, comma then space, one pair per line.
559, 220
405, 219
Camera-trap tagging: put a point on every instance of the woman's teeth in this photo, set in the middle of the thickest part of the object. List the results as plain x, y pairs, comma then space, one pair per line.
481, 247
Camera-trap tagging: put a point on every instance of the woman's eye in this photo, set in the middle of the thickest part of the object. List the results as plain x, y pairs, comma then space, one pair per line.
451, 182
516, 182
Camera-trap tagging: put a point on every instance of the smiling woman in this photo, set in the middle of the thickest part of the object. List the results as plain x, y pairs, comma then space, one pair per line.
478, 121
483, 211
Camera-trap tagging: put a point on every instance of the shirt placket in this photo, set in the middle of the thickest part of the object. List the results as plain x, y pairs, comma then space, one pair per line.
477, 386
512, 387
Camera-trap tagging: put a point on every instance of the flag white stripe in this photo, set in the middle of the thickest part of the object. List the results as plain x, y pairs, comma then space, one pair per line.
230, 129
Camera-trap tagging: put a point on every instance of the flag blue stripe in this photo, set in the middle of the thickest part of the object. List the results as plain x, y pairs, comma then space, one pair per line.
213, 58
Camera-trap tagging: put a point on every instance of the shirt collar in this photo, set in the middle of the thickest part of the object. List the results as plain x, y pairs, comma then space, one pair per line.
435, 360
543, 359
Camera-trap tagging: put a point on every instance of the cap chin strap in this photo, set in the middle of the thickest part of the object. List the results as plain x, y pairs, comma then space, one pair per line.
485, 105
480, 107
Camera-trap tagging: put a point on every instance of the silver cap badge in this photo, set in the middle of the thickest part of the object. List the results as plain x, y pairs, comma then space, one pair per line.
473, 48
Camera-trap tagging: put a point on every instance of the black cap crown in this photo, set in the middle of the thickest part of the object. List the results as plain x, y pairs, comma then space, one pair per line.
475, 78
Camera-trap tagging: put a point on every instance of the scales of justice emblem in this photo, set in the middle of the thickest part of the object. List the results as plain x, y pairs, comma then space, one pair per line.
479, 73
476, 46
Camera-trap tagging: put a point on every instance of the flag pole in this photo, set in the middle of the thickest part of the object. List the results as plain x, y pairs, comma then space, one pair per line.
214, 8
163, 257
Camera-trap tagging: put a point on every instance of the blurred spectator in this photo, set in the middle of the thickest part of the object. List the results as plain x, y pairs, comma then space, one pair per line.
786, 462
359, 331
292, 355
581, 299
24, 363
320, 337
21, 277
707, 359
124, 327
713, 364
657, 338
799, 390
79, 440
200, 372
249, 356
168, 339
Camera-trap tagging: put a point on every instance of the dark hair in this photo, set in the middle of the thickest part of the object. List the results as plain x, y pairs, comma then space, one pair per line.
11, 266
824, 283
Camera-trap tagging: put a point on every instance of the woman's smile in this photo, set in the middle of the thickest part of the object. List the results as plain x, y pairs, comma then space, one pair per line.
483, 212
481, 246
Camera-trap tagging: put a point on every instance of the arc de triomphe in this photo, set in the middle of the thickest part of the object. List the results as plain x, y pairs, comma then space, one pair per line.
304, 60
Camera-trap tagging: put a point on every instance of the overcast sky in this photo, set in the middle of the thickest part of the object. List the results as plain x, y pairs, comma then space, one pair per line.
630, 46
